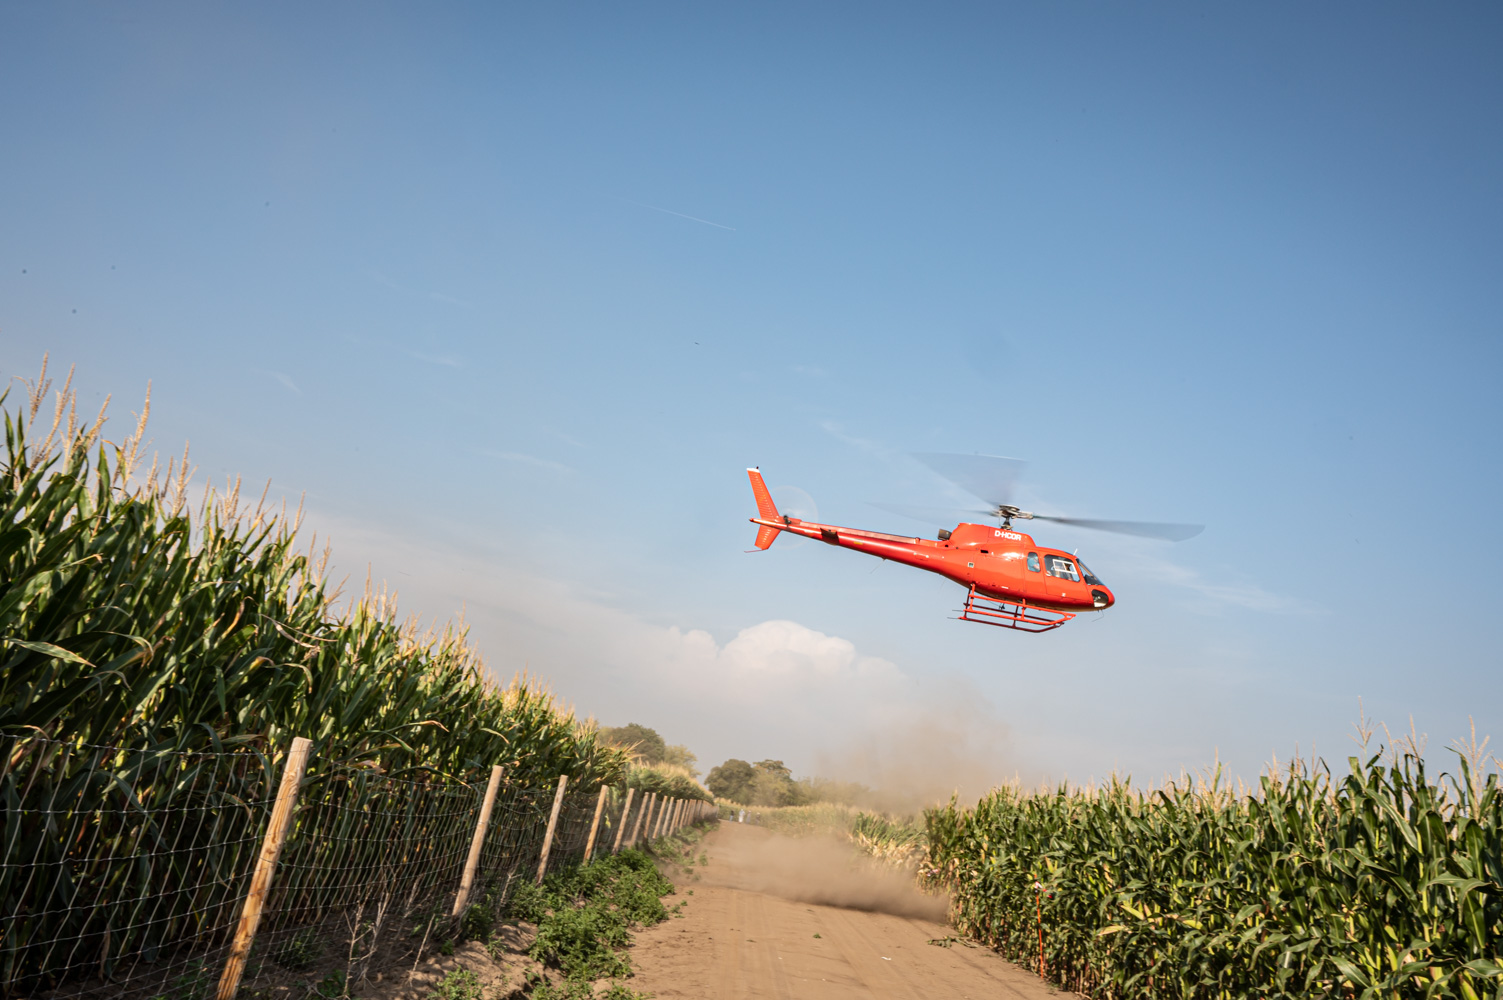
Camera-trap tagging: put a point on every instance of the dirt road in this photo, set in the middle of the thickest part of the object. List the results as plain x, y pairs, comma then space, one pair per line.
772, 916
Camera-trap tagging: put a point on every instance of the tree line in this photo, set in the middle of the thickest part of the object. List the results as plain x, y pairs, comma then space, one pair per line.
764, 783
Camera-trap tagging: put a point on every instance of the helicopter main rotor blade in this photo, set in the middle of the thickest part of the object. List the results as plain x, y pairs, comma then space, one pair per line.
987, 477
1144, 529
943, 517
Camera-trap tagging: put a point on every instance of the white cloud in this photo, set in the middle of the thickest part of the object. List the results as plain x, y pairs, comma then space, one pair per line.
789, 647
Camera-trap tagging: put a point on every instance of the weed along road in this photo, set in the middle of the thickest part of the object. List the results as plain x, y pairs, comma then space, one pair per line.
774, 916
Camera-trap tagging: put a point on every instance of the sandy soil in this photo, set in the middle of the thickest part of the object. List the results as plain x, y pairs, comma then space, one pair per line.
502, 975
773, 916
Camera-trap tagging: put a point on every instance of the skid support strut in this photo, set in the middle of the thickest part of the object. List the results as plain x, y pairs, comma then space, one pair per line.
1018, 615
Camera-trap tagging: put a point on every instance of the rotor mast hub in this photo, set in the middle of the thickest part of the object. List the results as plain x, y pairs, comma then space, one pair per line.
1006, 512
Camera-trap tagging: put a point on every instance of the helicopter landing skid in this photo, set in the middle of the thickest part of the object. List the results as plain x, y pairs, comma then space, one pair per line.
1018, 615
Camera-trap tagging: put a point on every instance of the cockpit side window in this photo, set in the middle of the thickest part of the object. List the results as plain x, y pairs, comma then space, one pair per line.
1090, 577
1061, 567
1033, 561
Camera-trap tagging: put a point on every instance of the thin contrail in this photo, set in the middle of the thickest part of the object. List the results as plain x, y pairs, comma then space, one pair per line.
681, 215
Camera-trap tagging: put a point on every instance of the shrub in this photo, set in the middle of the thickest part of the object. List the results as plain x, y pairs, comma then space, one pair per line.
585, 913
459, 984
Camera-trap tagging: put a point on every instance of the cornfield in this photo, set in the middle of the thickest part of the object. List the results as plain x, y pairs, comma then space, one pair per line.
1381, 883
895, 842
155, 659
668, 780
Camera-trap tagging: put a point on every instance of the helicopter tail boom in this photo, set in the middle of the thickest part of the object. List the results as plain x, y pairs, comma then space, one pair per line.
766, 509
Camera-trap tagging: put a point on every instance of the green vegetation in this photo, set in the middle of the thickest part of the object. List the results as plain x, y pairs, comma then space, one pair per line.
655, 765
300, 951
666, 780
581, 989
765, 783
585, 914
197, 639
458, 984
1379, 884
899, 842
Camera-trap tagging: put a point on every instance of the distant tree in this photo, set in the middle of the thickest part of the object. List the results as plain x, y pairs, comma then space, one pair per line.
765, 783
679, 754
645, 743
774, 768
734, 780
773, 784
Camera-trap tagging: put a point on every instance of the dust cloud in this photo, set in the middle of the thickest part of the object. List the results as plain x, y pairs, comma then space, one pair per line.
820, 870
949, 742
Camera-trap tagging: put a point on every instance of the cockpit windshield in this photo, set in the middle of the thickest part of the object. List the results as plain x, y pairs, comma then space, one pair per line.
1090, 577
1061, 567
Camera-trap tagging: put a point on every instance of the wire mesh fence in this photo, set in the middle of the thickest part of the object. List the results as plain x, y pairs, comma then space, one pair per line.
126, 872
114, 858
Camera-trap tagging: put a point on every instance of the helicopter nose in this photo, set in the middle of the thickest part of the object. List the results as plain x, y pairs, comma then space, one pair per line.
1102, 598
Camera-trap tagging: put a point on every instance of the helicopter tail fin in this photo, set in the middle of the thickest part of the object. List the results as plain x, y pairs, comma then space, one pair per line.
766, 509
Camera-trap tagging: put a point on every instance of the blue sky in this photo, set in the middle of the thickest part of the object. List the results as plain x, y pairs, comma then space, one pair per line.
514, 295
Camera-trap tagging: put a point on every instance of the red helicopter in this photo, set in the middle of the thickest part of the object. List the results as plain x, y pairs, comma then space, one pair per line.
1010, 581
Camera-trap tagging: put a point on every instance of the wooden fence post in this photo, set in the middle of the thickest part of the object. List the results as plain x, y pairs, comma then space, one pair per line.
642, 818
558, 803
266, 864
621, 826
657, 828
589, 847
477, 841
